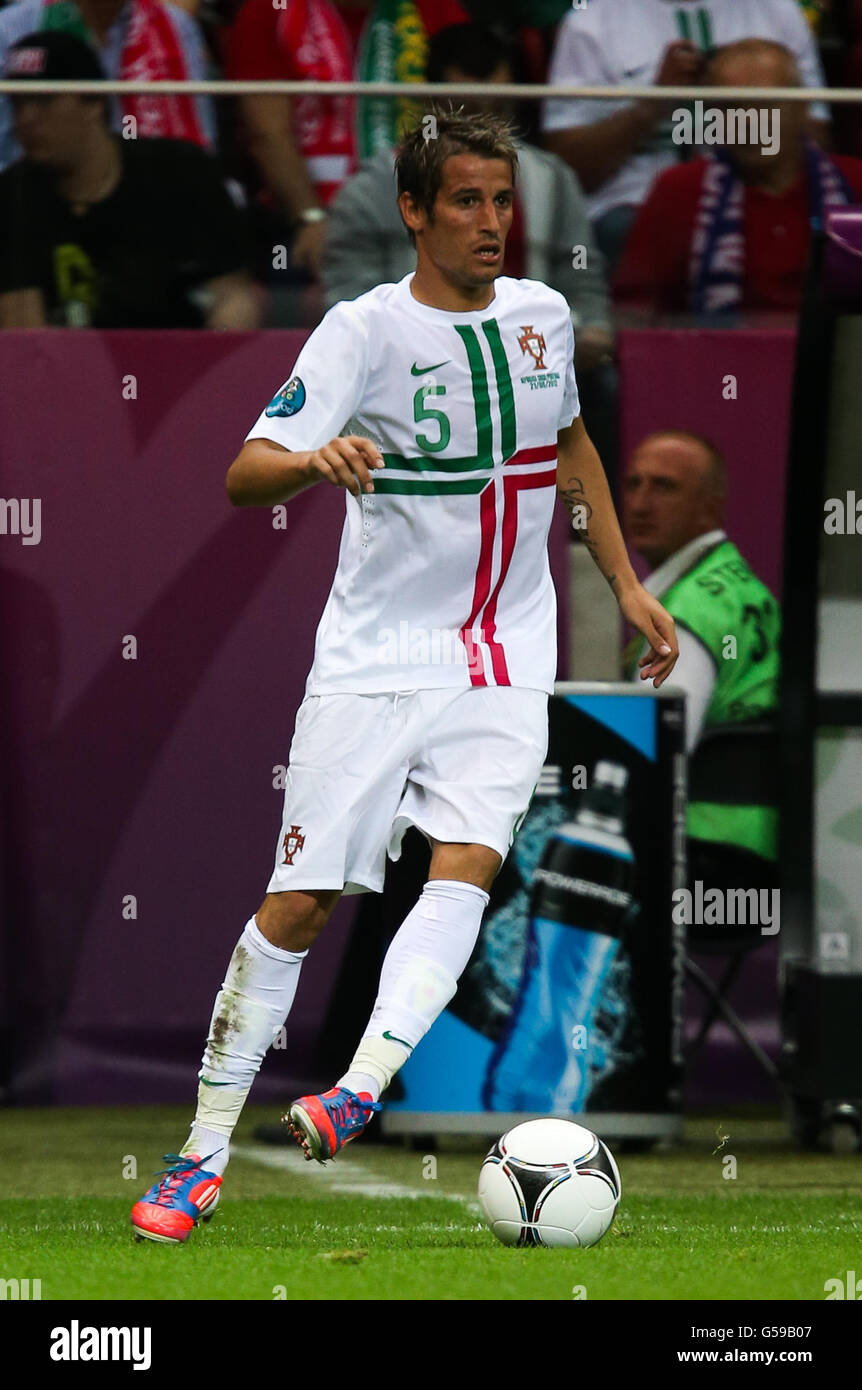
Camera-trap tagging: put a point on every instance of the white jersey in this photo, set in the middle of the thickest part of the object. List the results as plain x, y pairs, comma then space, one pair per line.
443, 576
620, 43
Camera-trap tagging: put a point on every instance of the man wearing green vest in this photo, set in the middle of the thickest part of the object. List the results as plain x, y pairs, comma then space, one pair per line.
728, 625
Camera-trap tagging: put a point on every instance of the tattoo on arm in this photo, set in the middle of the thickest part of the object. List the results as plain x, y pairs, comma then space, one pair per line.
575, 499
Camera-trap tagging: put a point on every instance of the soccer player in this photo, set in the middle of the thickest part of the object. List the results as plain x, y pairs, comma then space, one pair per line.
446, 408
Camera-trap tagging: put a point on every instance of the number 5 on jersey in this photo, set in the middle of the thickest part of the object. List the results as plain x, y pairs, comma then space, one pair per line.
422, 412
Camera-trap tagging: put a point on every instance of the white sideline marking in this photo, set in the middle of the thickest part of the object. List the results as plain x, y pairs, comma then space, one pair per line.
352, 1176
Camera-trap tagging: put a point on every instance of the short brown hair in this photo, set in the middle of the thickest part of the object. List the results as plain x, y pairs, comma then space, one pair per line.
444, 131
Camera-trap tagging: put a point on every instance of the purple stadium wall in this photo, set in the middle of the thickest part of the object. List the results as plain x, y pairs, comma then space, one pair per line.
679, 379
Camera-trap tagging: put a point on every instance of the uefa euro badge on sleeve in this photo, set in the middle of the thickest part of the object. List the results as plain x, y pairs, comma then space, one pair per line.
289, 400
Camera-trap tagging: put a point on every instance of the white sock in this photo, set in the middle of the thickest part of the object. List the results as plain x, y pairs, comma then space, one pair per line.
419, 977
360, 1083
209, 1145
250, 1009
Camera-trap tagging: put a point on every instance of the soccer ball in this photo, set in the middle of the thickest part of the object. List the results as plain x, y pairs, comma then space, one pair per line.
549, 1182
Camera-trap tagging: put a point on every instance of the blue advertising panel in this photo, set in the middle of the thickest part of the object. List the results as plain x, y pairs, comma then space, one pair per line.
571, 1001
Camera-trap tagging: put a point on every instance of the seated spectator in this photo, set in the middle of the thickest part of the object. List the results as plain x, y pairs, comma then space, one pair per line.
105, 232
731, 232
367, 243
673, 513
390, 41
141, 40
303, 148
617, 148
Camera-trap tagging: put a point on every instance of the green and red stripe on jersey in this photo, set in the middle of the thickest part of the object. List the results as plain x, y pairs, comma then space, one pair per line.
484, 607
476, 475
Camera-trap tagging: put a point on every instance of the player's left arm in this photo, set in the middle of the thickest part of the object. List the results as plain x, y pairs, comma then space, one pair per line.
582, 485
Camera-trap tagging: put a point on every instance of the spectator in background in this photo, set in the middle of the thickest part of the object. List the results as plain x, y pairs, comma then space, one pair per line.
143, 40
673, 515
618, 148
111, 233
390, 39
303, 149
731, 232
367, 243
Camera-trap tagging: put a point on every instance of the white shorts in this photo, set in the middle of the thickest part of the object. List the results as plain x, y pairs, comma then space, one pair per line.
460, 765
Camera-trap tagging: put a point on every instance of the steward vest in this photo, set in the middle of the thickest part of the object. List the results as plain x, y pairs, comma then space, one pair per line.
732, 798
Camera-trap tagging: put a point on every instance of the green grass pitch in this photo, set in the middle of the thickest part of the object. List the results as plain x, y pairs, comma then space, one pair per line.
385, 1222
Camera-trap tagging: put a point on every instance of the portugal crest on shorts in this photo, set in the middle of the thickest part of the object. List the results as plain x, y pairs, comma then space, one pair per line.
533, 343
289, 400
293, 842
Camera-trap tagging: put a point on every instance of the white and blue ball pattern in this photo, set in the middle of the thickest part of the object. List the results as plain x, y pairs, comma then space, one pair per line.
549, 1182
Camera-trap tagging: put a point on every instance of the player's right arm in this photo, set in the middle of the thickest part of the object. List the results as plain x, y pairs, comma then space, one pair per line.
295, 441
265, 473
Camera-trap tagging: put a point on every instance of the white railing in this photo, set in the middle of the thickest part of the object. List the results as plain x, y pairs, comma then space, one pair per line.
444, 92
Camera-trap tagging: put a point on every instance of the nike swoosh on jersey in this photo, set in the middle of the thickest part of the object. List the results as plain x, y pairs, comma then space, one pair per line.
392, 1038
422, 371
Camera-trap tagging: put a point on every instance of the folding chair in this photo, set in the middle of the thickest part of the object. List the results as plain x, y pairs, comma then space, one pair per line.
732, 764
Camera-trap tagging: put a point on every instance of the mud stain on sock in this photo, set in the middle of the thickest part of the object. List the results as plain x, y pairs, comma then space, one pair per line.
228, 1021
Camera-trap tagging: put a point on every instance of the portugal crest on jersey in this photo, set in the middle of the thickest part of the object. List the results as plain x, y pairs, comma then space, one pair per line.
533, 343
289, 400
293, 843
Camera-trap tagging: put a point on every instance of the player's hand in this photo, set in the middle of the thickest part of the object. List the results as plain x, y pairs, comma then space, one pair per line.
348, 461
655, 623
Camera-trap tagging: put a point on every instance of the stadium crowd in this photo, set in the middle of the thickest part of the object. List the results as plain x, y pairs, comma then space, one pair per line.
263, 210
